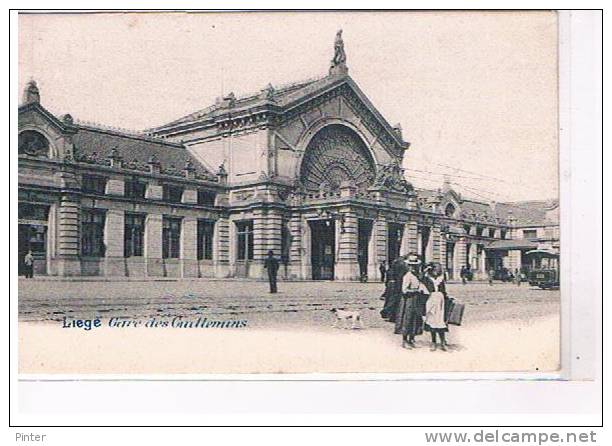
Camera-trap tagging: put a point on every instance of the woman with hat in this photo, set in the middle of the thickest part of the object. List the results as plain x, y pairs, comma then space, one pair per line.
409, 320
435, 320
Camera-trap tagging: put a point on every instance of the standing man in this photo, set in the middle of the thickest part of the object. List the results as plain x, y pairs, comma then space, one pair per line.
383, 271
271, 264
517, 276
491, 275
28, 260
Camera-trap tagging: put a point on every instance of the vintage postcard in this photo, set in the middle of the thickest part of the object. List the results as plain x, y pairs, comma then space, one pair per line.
288, 192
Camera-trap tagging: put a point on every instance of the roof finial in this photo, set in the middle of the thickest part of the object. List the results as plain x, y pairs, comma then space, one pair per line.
338, 63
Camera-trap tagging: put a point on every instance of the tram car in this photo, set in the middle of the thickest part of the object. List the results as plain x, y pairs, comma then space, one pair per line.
544, 271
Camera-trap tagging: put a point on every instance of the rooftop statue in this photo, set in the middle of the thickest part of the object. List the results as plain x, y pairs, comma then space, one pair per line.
339, 55
338, 63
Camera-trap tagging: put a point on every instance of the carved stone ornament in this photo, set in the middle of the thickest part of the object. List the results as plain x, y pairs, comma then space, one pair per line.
336, 154
391, 177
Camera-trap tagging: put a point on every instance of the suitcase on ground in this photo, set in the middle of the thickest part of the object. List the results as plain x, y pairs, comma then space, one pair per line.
455, 314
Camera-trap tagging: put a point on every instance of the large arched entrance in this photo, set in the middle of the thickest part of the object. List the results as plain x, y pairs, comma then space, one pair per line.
335, 156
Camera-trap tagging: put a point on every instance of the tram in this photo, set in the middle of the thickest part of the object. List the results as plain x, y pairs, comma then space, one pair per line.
544, 271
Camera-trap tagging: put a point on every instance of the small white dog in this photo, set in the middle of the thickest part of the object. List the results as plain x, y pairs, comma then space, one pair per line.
344, 316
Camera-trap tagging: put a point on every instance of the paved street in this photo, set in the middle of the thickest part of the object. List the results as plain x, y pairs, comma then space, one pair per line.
296, 303
506, 328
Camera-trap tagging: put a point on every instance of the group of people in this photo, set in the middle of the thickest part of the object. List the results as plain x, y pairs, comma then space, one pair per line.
415, 301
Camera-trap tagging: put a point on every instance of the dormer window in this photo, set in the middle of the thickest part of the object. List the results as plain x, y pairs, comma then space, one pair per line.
449, 210
33, 143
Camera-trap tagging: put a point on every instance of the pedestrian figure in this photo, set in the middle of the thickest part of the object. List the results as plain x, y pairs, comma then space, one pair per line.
491, 274
463, 274
393, 288
271, 264
435, 314
383, 271
409, 320
517, 277
28, 260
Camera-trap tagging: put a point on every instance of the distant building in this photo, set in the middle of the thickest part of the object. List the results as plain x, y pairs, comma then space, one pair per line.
311, 171
491, 235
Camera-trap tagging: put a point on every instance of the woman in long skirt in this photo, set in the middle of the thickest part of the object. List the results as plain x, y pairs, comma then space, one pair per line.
393, 289
409, 321
435, 321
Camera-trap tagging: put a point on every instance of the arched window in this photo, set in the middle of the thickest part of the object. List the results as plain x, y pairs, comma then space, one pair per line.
334, 155
33, 143
449, 210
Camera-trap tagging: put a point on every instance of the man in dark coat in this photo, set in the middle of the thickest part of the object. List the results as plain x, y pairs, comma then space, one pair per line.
393, 288
383, 271
271, 264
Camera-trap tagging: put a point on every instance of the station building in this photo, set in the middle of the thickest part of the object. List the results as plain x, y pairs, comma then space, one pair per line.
311, 171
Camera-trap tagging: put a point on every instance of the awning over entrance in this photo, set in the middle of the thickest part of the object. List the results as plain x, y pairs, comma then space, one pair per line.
512, 244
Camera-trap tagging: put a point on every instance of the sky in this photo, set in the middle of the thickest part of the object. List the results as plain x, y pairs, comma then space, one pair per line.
475, 93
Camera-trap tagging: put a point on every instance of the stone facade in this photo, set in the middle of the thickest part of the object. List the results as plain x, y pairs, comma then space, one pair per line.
310, 171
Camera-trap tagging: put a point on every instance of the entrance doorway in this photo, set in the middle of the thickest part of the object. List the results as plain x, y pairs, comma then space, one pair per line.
33, 237
244, 248
323, 247
363, 242
394, 240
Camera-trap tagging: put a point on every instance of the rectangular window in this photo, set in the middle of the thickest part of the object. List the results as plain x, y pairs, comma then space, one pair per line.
133, 235
503, 234
530, 233
92, 233
206, 197
135, 189
245, 240
173, 194
205, 239
171, 238
94, 184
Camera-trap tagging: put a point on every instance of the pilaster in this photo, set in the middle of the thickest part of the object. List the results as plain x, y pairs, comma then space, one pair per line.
153, 245
114, 228
347, 267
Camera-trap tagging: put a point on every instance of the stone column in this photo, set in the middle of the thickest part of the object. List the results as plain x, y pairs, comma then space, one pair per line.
347, 267
69, 235
442, 244
153, 245
380, 231
405, 242
189, 247
114, 227
410, 236
514, 259
373, 263
428, 249
221, 253
434, 242
260, 246
483, 260
306, 251
459, 256
273, 236
295, 247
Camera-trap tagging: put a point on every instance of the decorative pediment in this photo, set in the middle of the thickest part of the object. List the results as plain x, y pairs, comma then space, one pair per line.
343, 99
